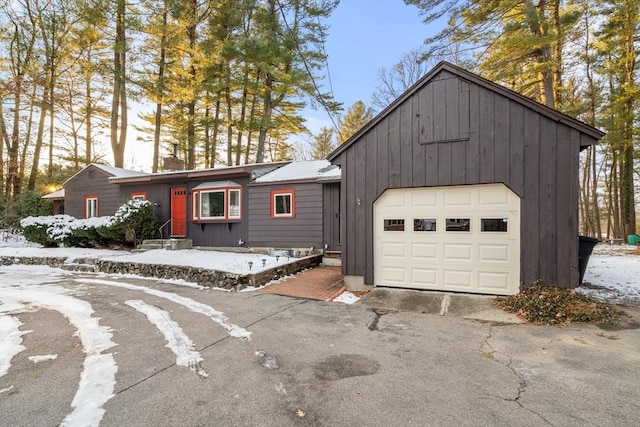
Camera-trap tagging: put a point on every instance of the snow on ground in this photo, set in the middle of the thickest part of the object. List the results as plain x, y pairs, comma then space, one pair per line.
613, 272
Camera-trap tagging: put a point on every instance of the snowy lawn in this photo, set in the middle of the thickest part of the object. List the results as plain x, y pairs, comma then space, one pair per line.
613, 272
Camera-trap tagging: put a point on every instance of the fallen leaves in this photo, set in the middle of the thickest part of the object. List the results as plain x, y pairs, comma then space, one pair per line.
610, 337
300, 413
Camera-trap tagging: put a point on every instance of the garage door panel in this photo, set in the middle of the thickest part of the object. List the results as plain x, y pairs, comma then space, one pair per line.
494, 252
393, 249
458, 252
492, 197
396, 200
421, 255
393, 275
424, 277
424, 251
458, 279
458, 198
424, 200
494, 281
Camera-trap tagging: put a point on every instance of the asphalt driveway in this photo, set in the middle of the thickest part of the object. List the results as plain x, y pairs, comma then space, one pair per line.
185, 356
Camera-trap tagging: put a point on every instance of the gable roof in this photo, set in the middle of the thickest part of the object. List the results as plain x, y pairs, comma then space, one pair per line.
55, 195
480, 81
304, 170
112, 171
251, 169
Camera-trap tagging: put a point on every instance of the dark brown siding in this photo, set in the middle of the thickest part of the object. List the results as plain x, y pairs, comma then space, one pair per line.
331, 216
454, 132
91, 181
302, 231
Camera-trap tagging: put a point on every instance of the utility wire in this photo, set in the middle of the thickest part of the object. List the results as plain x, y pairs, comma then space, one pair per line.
318, 95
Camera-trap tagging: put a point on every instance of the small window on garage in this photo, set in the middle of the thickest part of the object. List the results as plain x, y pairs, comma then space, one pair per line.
424, 224
458, 224
394, 225
138, 196
494, 225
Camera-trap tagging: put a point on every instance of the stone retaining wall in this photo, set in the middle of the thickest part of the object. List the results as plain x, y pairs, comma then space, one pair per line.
201, 276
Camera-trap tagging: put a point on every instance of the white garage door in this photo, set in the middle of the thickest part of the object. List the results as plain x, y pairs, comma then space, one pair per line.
463, 238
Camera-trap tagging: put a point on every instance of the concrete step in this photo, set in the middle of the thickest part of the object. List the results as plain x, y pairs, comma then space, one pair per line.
74, 266
331, 261
333, 254
169, 244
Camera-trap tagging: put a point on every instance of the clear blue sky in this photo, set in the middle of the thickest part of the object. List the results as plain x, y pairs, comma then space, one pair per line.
365, 35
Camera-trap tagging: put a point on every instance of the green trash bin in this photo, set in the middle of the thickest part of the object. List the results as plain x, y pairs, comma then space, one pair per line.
632, 239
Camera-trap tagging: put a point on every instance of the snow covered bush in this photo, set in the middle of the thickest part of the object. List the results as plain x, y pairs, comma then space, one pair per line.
49, 231
132, 222
86, 231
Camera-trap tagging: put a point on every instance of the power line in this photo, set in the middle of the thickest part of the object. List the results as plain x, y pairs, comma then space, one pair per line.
318, 96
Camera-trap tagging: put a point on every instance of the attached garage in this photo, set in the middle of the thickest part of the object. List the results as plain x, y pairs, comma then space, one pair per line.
460, 238
462, 185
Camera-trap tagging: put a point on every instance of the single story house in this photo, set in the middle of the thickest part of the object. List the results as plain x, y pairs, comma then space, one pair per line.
272, 205
458, 185
462, 185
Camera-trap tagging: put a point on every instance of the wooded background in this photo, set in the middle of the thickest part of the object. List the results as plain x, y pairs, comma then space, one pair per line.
225, 82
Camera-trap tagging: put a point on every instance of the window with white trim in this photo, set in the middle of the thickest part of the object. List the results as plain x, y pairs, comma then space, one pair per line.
91, 206
217, 204
282, 203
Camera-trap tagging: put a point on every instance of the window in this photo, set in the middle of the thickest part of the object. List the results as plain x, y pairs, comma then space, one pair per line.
394, 225
428, 224
213, 201
90, 206
283, 204
138, 196
494, 224
458, 224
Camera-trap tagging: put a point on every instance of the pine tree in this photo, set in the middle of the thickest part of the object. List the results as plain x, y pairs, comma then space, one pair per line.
323, 144
356, 116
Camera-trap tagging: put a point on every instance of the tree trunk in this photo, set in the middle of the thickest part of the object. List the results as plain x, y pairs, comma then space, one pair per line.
119, 120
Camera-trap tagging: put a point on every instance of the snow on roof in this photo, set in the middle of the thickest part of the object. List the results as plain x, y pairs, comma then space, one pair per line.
119, 172
55, 195
113, 171
217, 184
303, 170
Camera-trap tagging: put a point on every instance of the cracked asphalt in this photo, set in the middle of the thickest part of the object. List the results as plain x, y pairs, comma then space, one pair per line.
318, 363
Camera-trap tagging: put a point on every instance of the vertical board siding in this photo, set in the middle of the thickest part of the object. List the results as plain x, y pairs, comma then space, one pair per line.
393, 148
472, 147
574, 192
459, 162
564, 218
331, 216
439, 110
406, 144
360, 208
530, 213
444, 163
516, 148
497, 139
501, 140
351, 237
419, 153
486, 141
452, 109
547, 206
302, 231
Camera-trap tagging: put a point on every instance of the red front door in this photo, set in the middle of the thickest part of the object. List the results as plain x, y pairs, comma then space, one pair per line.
179, 211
